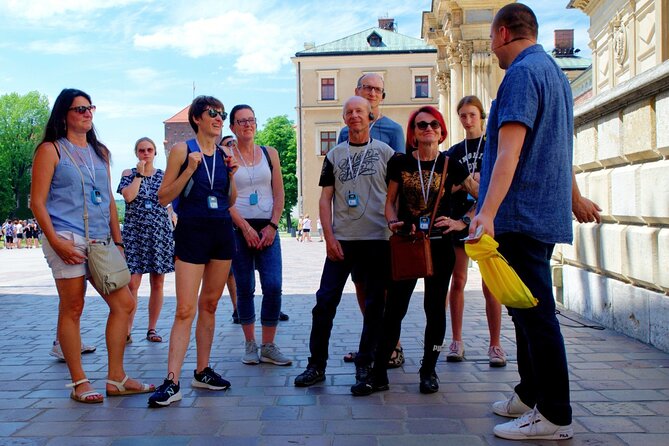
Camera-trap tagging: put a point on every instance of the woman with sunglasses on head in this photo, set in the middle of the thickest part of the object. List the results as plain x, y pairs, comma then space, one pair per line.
147, 232
469, 153
256, 216
68, 153
415, 181
200, 174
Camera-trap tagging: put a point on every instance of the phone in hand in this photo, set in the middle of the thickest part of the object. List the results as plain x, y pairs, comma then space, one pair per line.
476, 236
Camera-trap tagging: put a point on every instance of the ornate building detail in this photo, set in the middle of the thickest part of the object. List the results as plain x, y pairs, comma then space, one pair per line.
454, 56
619, 37
465, 49
443, 81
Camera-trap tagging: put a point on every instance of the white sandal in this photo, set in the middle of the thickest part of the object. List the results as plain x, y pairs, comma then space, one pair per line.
121, 390
83, 397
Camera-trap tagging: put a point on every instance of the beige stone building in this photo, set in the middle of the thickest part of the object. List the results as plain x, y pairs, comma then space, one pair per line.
327, 76
617, 272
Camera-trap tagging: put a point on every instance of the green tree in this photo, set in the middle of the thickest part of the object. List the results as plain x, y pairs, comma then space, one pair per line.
279, 132
22, 121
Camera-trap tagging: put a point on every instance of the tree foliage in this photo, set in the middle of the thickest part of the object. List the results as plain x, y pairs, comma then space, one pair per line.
279, 133
22, 121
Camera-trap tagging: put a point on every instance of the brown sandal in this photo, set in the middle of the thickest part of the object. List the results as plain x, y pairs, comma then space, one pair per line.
153, 336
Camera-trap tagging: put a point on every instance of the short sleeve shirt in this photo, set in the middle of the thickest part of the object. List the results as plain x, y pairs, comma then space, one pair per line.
359, 170
469, 154
535, 93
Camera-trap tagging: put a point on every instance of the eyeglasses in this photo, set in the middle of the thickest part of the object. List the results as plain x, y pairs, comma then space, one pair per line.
229, 143
244, 122
212, 113
81, 109
370, 88
422, 125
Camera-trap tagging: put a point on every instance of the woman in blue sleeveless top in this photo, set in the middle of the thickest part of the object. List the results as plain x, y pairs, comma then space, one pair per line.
57, 201
200, 175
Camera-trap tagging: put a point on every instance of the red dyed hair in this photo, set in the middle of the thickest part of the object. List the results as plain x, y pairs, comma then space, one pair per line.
410, 147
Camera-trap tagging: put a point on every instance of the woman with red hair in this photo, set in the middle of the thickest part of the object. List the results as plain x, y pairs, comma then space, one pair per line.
414, 183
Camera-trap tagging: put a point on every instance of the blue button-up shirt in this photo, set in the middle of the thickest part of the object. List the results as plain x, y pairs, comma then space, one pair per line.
535, 93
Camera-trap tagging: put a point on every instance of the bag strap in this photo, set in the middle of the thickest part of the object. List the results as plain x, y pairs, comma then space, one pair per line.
444, 174
83, 188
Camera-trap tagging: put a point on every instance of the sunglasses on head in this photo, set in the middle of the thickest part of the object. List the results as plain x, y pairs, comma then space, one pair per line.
212, 113
81, 109
422, 125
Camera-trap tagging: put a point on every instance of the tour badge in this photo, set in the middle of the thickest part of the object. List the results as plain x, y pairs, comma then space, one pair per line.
352, 199
96, 196
148, 204
253, 199
424, 223
212, 202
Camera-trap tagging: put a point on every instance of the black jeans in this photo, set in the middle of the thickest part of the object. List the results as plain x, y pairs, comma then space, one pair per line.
434, 304
542, 360
372, 259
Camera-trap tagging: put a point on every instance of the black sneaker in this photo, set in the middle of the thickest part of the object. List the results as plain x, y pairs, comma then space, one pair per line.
363, 381
167, 393
235, 317
429, 382
283, 317
209, 379
309, 377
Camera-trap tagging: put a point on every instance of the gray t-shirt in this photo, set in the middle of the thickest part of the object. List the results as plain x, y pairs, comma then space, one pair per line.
359, 179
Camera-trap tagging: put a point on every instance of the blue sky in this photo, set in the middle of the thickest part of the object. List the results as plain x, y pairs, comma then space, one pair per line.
139, 59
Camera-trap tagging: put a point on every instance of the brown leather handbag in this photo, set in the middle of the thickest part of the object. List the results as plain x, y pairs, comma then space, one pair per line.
410, 254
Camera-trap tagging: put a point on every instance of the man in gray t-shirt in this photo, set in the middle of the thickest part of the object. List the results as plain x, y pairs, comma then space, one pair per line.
353, 182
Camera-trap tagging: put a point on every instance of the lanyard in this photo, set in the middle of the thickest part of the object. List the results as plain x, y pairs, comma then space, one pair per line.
471, 168
91, 170
211, 176
251, 175
423, 189
354, 175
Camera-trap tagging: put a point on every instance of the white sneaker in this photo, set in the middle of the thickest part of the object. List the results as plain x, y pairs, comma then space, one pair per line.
251, 353
496, 356
57, 352
456, 352
270, 353
533, 426
511, 408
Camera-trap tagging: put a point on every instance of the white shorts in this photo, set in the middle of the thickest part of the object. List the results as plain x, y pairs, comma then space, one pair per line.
59, 268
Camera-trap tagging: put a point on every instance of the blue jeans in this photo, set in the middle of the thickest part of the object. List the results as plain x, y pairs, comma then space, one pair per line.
268, 263
371, 257
542, 360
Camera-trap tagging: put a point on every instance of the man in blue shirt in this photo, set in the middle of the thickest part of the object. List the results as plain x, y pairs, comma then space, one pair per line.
525, 201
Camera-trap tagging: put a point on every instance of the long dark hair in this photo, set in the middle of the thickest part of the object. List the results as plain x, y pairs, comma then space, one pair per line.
56, 126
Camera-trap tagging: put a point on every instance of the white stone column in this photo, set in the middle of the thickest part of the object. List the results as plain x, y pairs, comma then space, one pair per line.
454, 59
443, 81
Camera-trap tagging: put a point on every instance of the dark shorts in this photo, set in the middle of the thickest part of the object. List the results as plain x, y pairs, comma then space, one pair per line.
199, 240
458, 236
19, 236
9, 239
306, 230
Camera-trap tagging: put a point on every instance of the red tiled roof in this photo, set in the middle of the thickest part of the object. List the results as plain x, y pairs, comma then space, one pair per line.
182, 116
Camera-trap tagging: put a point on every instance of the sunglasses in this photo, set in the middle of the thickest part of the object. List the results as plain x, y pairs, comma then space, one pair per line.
249, 121
230, 143
212, 113
422, 125
81, 109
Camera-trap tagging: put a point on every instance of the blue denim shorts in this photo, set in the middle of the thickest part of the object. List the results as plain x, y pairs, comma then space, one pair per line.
199, 240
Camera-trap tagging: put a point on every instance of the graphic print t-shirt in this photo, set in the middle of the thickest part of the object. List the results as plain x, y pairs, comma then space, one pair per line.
403, 169
360, 170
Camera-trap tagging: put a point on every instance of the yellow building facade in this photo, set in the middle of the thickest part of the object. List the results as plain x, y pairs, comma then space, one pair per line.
327, 76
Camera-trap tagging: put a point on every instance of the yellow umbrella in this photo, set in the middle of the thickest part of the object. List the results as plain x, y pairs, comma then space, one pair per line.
499, 277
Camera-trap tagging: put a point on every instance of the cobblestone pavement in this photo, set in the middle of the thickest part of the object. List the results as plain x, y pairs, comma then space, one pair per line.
620, 387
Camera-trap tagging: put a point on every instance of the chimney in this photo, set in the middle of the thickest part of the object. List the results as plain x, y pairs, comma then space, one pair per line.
387, 24
564, 42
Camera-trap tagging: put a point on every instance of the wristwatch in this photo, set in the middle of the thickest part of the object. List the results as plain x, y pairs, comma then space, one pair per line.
466, 220
138, 175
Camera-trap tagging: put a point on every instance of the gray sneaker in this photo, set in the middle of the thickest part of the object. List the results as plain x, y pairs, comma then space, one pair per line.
270, 353
251, 355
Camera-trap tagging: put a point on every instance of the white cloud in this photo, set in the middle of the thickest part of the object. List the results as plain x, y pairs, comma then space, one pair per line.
35, 10
66, 46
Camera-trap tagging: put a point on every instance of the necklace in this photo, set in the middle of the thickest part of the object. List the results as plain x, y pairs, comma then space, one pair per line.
471, 168
252, 174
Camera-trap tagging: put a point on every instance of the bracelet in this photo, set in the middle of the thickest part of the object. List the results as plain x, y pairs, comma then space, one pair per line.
121, 244
273, 225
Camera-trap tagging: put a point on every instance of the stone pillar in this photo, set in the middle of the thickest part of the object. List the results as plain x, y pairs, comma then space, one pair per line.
443, 81
465, 49
454, 60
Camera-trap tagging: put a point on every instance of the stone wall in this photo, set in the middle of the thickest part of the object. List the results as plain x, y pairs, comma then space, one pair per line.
617, 272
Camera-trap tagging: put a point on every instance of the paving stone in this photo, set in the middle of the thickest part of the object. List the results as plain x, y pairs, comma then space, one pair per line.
616, 409
613, 424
